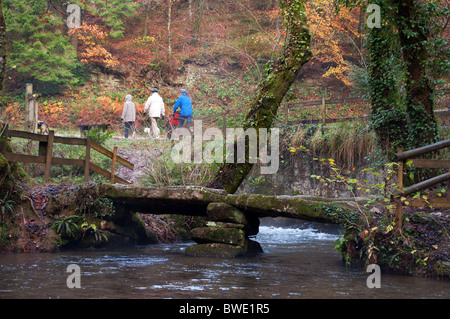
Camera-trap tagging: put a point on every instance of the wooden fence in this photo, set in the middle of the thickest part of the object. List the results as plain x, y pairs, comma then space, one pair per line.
292, 106
323, 110
442, 114
46, 157
412, 156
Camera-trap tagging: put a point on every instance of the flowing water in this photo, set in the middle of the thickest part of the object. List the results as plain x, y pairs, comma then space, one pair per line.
299, 261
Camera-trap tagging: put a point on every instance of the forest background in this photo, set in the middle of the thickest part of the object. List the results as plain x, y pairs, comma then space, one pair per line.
215, 49
221, 52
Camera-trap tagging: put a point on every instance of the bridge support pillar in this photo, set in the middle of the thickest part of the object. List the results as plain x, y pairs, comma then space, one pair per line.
226, 234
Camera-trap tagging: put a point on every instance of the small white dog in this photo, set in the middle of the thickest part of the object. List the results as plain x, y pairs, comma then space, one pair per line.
148, 131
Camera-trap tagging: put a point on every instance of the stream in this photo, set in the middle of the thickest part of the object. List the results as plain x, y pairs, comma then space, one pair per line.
299, 261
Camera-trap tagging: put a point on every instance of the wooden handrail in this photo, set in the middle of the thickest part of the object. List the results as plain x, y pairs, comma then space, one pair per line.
110, 154
329, 101
41, 159
43, 138
107, 174
428, 163
46, 149
423, 185
401, 156
419, 163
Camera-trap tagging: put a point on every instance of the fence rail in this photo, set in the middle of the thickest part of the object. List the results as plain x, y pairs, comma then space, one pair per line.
402, 158
323, 102
46, 157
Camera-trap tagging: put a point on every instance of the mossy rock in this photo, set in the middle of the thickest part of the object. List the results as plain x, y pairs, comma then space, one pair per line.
231, 236
252, 248
10, 174
215, 250
226, 213
223, 225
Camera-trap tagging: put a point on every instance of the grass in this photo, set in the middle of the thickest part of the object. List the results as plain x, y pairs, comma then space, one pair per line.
164, 172
346, 142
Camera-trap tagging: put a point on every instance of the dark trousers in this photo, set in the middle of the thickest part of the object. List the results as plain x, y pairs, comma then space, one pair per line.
128, 126
183, 119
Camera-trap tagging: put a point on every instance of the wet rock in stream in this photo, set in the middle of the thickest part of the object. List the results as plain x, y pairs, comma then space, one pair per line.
226, 235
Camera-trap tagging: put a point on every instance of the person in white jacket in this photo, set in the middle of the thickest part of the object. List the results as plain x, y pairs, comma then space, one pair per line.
156, 109
129, 115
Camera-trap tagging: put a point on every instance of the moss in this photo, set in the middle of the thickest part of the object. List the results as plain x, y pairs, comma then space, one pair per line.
231, 236
299, 207
226, 213
5, 235
442, 269
5, 175
4, 165
138, 227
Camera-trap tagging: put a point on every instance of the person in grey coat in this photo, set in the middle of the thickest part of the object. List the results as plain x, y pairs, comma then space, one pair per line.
129, 115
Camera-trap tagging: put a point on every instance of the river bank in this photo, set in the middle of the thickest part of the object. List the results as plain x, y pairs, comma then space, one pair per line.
299, 262
421, 248
52, 221
42, 222
52, 218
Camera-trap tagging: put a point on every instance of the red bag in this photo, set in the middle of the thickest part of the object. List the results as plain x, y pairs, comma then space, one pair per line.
174, 118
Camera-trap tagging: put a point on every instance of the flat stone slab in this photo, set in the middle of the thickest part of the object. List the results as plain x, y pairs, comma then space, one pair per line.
230, 236
224, 225
189, 200
216, 250
225, 213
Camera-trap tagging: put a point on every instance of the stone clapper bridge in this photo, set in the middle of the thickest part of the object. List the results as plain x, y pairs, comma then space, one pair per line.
233, 217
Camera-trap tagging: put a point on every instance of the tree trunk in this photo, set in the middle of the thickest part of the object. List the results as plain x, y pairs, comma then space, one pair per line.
2, 47
190, 11
280, 76
197, 20
413, 36
147, 17
388, 117
169, 14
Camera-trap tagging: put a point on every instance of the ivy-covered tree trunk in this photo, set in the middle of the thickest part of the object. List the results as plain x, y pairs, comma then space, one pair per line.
413, 33
388, 114
398, 56
279, 77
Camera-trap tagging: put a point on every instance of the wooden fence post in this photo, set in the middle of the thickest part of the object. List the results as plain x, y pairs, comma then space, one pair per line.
87, 160
113, 165
286, 114
31, 109
324, 111
48, 155
447, 192
224, 125
4, 144
398, 202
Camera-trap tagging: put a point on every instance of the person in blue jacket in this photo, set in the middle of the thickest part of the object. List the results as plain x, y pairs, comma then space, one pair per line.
184, 103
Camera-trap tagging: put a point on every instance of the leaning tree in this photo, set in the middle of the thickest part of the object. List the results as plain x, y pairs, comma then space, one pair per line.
279, 76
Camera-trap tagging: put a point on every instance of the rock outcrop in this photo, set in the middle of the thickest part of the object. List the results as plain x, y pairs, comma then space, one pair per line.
226, 234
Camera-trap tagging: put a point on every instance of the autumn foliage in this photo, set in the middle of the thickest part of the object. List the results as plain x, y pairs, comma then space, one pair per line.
91, 50
334, 36
231, 40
